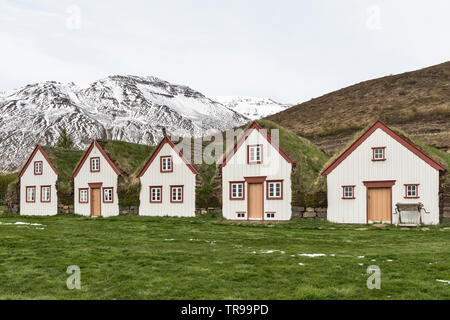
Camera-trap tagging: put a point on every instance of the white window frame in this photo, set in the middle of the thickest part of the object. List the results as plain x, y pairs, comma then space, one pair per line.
255, 153
346, 194
83, 199
272, 192
178, 192
166, 164
40, 165
158, 194
95, 168
237, 193
43, 188
108, 195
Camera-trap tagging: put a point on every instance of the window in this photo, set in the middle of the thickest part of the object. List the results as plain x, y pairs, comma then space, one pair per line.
45, 193
378, 154
156, 194
275, 189
176, 193
166, 164
270, 215
411, 191
254, 153
237, 190
83, 195
108, 195
348, 192
95, 164
38, 167
240, 214
30, 194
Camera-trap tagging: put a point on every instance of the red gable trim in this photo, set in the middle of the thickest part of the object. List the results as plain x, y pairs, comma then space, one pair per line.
86, 154
394, 135
253, 126
158, 148
36, 149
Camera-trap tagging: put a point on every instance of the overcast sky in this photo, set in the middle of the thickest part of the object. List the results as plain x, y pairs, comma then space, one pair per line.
291, 51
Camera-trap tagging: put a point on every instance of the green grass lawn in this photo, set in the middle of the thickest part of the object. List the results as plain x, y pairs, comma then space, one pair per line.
131, 257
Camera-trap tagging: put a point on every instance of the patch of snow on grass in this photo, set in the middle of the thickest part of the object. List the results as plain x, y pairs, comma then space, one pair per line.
20, 223
312, 255
169, 239
360, 257
444, 281
301, 264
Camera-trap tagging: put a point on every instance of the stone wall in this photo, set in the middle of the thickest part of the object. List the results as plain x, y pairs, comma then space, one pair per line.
129, 209
65, 208
309, 212
445, 205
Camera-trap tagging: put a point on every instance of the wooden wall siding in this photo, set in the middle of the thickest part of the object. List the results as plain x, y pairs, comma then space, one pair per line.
107, 176
47, 178
181, 175
274, 167
400, 165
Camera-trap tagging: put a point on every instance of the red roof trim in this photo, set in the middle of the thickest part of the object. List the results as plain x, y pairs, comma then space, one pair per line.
158, 148
86, 154
36, 149
266, 135
394, 135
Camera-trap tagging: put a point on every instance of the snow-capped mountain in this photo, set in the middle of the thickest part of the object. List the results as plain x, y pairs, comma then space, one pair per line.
127, 108
251, 107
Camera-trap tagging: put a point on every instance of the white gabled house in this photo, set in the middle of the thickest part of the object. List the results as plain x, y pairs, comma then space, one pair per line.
167, 183
95, 184
38, 177
380, 169
256, 178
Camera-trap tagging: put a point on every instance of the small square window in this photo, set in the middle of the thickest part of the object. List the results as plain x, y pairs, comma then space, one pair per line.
274, 189
45, 193
83, 195
378, 154
237, 190
95, 164
255, 153
241, 215
348, 192
176, 193
166, 164
270, 215
411, 191
38, 167
107, 195
156, 194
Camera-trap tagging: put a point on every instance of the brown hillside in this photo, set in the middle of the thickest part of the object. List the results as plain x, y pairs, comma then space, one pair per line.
417, 102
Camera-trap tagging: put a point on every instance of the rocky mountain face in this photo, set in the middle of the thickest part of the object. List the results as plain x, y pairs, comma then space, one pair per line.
251, 107
127, 108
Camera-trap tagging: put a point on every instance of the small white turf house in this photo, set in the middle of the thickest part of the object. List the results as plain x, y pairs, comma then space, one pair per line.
95, 184
378, 171
168, 182
256, 178
38, 185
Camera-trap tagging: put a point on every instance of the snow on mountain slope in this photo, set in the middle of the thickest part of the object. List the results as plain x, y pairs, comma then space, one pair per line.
127, 108
251, 107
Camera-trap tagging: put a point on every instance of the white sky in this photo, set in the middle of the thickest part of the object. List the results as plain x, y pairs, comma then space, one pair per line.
291, 51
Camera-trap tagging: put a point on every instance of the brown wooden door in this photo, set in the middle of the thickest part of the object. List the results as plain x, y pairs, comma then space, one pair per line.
255, 201
379, 204
95, 202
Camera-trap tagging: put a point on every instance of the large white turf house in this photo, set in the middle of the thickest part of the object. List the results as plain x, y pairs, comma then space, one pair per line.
38, 185
256, 178
379, 170
95, 184
167, 183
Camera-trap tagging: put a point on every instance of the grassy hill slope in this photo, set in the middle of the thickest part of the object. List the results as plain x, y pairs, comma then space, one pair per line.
417, 102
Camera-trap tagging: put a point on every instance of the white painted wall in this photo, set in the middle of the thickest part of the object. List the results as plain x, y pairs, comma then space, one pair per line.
274, 166
401, 165
48, 177
107, 176
181, 175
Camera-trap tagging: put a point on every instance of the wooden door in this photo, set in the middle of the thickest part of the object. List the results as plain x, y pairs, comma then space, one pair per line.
95, 202
379, 204
255, 201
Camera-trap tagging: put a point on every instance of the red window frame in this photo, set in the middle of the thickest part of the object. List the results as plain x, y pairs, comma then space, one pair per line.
26, 194
260, 152
182, 194
161, 164
268, 197
417, 191
243, 190
373, 153
160, 193
49, 196
90, 163
112, 194
79, 195
34, 168
353, 192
